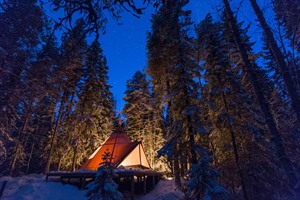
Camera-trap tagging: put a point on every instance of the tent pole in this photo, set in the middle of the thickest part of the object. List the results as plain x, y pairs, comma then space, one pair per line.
140, 154
112, 153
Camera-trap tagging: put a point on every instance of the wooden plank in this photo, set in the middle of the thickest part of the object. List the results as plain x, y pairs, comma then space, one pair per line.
145, 184
132, 188
68, 177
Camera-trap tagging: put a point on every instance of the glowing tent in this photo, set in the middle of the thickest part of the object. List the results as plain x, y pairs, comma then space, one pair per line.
124, 153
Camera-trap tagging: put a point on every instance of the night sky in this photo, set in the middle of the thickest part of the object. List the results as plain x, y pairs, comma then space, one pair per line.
125, 45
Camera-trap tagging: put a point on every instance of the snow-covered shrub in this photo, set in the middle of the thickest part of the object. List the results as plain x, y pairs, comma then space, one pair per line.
104, 187
203, 183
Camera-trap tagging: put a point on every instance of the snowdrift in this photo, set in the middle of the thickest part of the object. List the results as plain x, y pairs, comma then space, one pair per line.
35, 187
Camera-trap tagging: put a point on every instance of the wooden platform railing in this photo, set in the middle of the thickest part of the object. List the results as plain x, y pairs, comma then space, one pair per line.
132, 180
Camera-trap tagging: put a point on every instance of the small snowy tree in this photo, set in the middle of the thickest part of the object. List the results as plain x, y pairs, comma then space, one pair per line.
104, 187
203, 183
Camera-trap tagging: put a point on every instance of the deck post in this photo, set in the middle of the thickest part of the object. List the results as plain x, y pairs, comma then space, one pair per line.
145, 184
132, 187
81, 181
153, 181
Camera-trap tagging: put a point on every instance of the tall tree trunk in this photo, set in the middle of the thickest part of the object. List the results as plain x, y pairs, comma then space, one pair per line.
176, 168
279, 57
239, 169
59, 163
235, 148
175, 147
74, 159
29, 159
55, 134
191, 134
20, 139
248, 68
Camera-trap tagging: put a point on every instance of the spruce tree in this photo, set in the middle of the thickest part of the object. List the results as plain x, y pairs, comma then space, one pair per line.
138, 108
160, 47
143, 117
173, 71
280, 60
249, 67
103, 187
22, 24
231, 109
203, 183
69, 75
287, 11
95, 112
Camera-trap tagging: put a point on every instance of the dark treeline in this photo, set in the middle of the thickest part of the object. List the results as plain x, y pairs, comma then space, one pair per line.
230, 114
56, 105
220, 117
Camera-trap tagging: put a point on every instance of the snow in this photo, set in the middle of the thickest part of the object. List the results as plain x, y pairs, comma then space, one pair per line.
35, 187
164, 190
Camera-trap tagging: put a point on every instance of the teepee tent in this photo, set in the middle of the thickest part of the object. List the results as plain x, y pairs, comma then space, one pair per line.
124, 153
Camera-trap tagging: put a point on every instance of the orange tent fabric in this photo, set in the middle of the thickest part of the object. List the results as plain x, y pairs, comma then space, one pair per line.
124, 153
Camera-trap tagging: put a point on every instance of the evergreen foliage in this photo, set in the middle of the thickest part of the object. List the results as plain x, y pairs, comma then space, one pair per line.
287, 11
21, 27
221, 118
87, 113
227, 99
44, 86
144, 118
257, 80
103, 187
203, 182
173, 70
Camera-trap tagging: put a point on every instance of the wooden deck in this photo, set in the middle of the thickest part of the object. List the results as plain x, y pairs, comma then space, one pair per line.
135, 181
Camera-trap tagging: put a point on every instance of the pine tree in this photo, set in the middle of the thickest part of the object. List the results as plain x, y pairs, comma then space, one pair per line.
160, 45
173, 71
40, 85
22, 24
287, 11
231, 108
138, 108
203, 183
249, 68
288, 38
95, 109
143, 117
69, 76
280, 60
103, 187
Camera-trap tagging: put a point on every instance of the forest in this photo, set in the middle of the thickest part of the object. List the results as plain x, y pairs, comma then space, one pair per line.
212, 112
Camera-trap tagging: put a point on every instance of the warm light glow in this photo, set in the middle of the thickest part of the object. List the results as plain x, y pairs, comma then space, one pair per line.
136, 157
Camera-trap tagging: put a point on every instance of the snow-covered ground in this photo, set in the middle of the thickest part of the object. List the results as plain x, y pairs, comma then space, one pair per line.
164, 190
35, 187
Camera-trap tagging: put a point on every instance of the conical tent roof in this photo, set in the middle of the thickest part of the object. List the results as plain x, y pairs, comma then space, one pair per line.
124, 153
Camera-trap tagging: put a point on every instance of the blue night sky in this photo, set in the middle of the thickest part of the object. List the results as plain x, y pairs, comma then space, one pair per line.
125, 45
